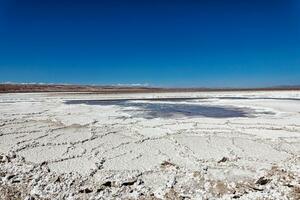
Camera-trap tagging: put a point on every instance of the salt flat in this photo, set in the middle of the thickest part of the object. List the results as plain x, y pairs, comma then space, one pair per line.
200, 145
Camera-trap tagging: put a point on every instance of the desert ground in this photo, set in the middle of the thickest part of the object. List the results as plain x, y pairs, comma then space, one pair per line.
185, 145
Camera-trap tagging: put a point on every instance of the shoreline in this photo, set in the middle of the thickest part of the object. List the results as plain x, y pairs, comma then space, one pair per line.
90, 89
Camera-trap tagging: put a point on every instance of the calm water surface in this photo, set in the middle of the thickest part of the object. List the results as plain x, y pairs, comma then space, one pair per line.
169, 108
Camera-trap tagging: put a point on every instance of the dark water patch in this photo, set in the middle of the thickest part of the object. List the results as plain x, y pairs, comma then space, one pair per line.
150, 109
166, 110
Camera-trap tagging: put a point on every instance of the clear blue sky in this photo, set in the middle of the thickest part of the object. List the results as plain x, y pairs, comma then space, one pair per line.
211, 43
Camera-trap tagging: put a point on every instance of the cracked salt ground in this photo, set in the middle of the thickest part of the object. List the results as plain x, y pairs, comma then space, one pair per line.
168, 150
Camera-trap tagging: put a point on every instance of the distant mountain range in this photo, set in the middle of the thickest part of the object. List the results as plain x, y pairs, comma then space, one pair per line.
287, 86
34, 87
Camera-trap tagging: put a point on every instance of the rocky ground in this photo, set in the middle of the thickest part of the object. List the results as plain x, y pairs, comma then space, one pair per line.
22, 180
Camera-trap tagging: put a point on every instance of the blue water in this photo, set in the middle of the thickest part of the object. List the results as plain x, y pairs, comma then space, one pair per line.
150, 109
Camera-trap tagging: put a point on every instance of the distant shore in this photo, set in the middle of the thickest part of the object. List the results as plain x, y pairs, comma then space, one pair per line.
28, 88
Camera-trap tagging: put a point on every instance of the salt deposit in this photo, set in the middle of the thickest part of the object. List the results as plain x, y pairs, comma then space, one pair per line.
217, 145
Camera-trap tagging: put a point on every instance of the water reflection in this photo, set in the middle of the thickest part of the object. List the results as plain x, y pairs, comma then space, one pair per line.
150, 109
